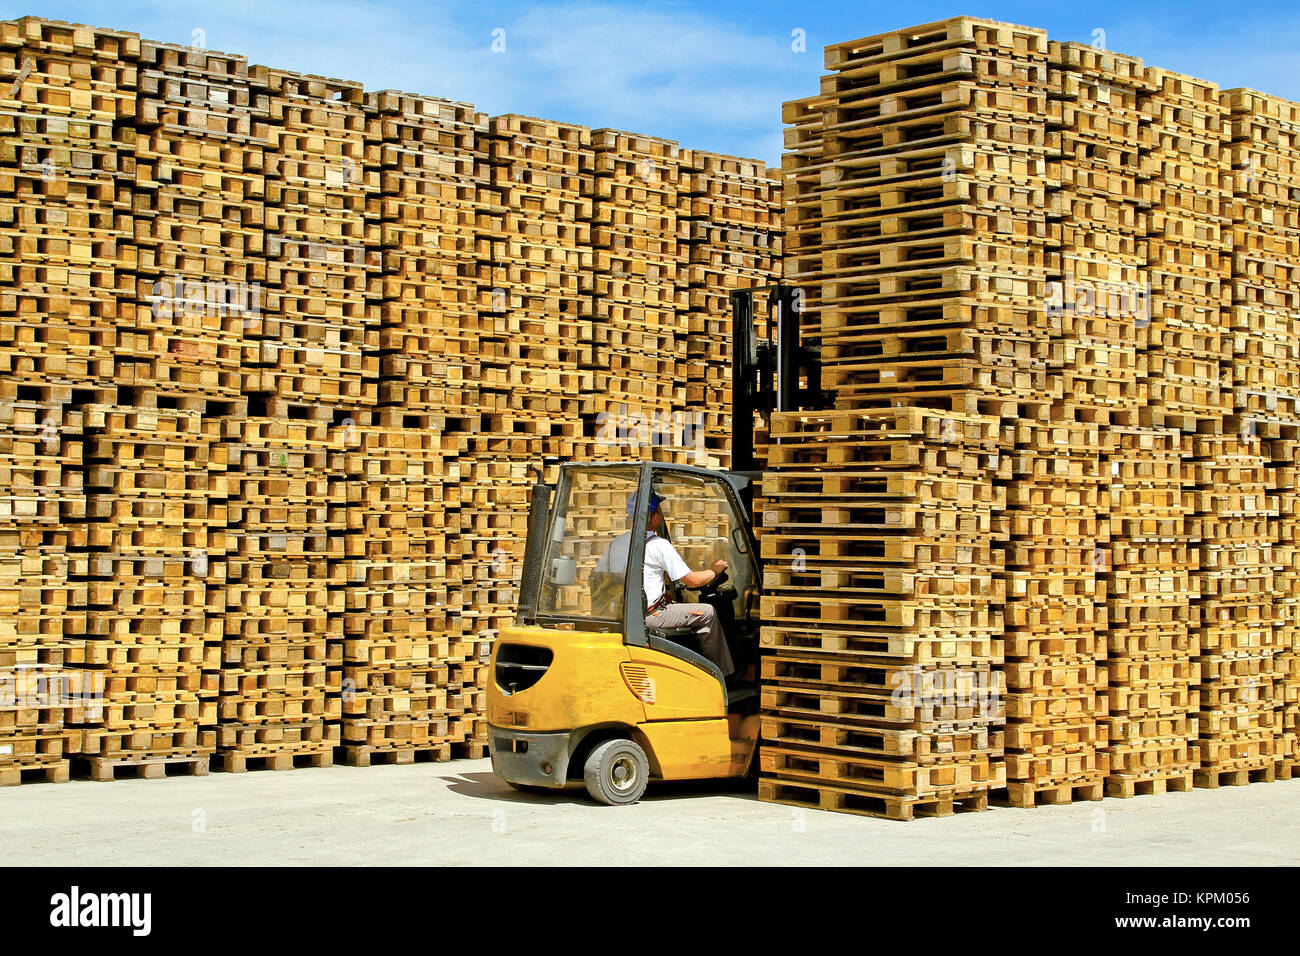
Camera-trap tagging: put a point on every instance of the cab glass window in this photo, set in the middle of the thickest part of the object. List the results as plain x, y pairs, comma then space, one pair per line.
702, 525
585, 570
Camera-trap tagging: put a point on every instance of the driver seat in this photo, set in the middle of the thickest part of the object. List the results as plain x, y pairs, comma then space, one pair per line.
685, 636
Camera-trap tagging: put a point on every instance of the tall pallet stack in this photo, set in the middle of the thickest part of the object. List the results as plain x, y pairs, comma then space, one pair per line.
310, 365
1104, 137
422, 246
635, 297
199, 136
1262, 136
66, 225
1150, 590
280, 678
1189, 242
804, 165
538, 248
404, 597
916, 220
63, 209
535, 249
152, 570
200, 133
1055, 609
401, 629
1264, 158
1055, 631
1284, 463
1188, 371
42, 615
318, 336
931, 252
881, 690
1238, 641
732, 209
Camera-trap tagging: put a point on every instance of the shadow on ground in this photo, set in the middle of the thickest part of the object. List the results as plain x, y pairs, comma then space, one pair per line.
488, 786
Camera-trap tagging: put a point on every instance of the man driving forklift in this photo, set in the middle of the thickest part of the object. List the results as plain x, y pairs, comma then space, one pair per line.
662, 560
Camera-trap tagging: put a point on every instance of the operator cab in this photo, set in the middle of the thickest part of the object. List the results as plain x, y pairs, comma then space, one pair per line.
586, 573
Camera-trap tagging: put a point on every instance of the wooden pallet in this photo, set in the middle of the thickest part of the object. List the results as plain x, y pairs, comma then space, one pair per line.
366, 756
1026, 795
239, 762
14, 774
825, 797
144, 767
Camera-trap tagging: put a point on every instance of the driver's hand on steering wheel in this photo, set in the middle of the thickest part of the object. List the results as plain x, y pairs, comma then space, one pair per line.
718, 567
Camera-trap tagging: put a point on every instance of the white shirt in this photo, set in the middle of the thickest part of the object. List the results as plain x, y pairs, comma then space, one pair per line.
660, 558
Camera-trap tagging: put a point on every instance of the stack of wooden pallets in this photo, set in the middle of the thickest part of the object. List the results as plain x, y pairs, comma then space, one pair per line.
636, 294
494, 509
64, 253
1100, 203
403, 595
535, 248
930, 248
200, 133
1238, 640
310, 364
42, 617
538, 245
1188, 368
732, 211
1056, 641
1102, 135
1188, 251
915, 218
802, 166
1055, 625
281, 651
317, 339
1264, 157
404, 459
422, 246
880, 687
65, 223
1285, 467
1150, 589
151, 569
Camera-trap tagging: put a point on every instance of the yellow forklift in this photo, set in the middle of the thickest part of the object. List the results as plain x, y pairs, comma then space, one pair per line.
580, 687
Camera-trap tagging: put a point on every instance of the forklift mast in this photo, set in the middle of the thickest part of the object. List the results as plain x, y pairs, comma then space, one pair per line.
779, 372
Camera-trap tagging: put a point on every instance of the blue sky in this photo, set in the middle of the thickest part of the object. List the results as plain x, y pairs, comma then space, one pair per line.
711, 75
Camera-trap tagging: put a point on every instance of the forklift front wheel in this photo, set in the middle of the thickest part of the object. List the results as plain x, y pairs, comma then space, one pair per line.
617, 772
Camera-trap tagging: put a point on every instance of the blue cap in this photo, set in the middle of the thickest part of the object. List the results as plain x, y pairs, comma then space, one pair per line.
655, 502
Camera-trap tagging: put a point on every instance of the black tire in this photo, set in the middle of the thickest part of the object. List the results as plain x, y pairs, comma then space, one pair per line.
617, 772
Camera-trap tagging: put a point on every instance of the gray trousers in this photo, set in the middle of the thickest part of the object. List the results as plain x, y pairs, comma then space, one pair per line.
702, 617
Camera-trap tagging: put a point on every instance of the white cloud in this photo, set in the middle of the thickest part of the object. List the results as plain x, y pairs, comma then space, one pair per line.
667, 70
664, 69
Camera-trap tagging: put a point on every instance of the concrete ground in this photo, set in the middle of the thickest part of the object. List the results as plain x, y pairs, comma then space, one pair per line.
459, 814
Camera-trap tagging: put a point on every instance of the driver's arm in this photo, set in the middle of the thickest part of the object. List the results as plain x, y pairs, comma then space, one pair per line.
698, 579
680, 571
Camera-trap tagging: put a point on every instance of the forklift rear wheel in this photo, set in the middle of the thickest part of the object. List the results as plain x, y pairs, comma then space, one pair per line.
617, 772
